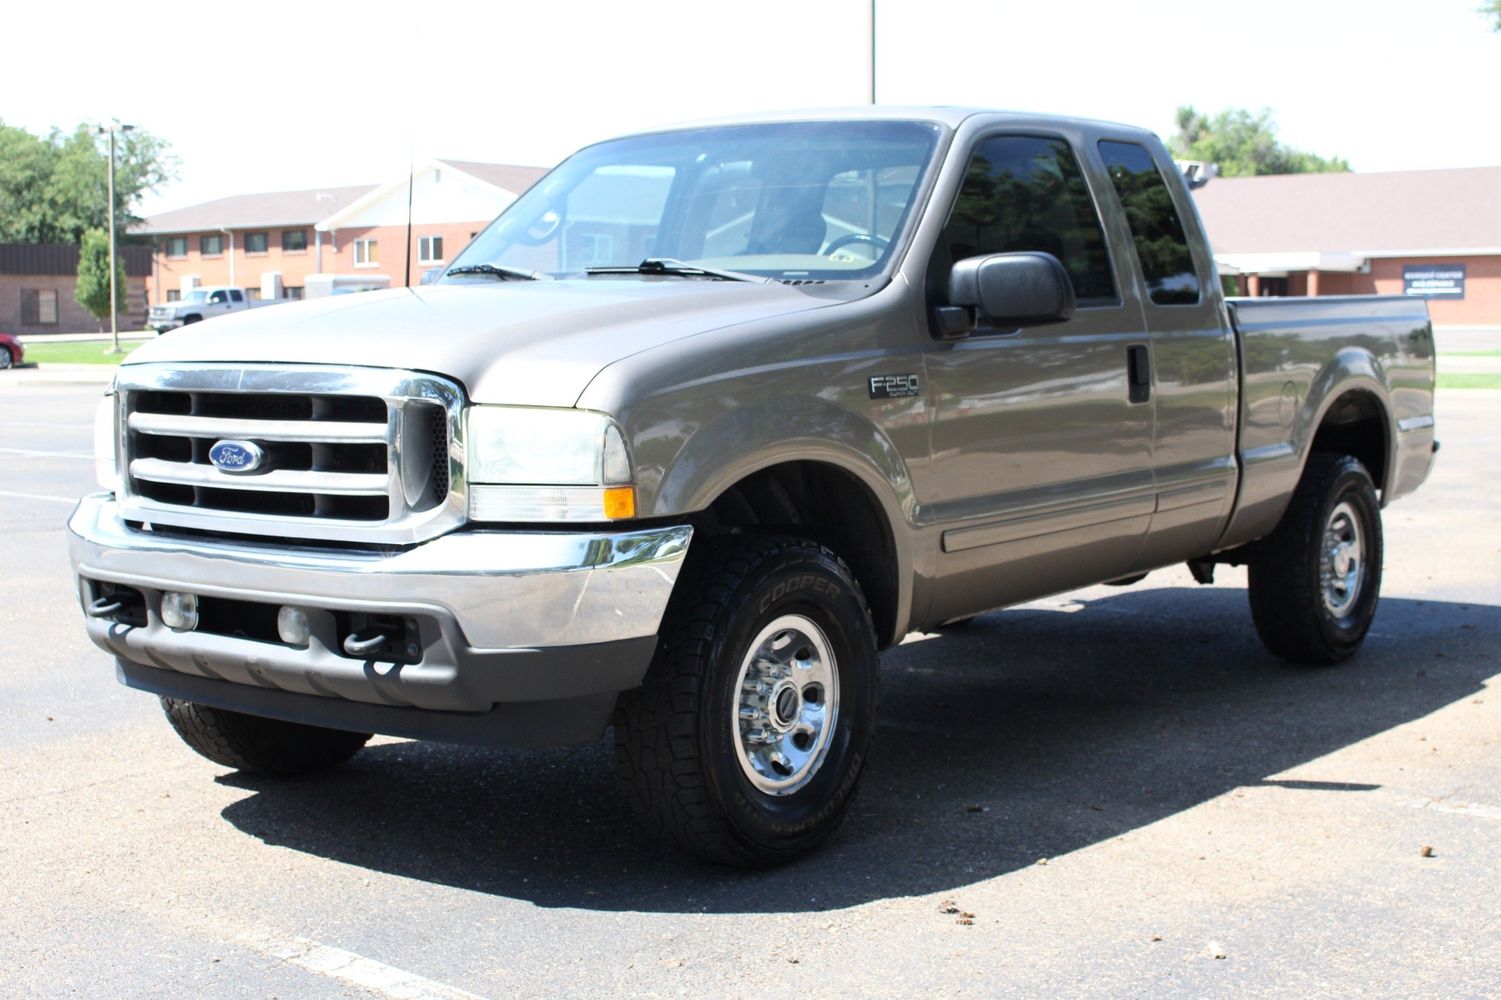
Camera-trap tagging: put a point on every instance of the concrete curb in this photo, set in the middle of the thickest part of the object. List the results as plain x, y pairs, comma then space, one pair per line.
57, 375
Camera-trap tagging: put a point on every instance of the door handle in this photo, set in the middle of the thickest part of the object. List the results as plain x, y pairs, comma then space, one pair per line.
1138, 373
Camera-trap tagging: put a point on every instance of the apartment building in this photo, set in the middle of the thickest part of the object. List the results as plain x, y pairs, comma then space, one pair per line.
282, 244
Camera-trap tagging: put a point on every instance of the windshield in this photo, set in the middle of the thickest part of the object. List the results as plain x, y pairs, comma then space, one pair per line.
196, 298
814, 200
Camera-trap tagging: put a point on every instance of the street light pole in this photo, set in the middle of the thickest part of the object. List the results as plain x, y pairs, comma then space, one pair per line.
114, 307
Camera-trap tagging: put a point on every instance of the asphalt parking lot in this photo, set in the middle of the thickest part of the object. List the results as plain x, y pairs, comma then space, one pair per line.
1115, 792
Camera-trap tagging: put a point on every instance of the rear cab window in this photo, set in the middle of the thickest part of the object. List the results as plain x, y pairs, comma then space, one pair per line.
1156, 229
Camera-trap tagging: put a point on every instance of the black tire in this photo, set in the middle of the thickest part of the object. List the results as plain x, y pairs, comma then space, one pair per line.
6, 359
260, 746
682, 750
1297, 616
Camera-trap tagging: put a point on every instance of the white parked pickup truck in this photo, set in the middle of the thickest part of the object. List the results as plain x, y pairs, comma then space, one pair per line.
200, 304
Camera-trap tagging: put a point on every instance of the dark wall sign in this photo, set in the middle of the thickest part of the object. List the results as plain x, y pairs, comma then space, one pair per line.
1434, 281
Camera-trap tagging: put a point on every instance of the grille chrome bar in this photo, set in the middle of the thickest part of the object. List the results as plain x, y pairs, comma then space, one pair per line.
280, 481
329, 431
361, 455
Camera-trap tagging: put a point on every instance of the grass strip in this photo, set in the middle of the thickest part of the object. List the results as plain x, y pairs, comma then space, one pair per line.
1469, 380
88, 352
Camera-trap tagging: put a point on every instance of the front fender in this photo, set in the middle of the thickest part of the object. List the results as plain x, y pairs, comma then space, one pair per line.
748, 439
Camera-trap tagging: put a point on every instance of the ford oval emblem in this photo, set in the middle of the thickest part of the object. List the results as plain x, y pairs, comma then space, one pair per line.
238, 457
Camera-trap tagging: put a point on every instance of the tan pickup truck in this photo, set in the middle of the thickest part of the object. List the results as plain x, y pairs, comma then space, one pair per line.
705, 420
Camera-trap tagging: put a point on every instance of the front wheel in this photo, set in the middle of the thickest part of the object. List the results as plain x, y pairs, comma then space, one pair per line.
257, 745
1314, 582
745, 743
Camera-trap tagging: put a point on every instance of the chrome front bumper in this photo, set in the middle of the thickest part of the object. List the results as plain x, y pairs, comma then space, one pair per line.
504, 617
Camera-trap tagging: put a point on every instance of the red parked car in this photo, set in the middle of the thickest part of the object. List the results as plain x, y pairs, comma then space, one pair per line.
10, 351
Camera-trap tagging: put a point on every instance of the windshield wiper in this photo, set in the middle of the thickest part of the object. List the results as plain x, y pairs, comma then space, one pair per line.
499, 271
666, 265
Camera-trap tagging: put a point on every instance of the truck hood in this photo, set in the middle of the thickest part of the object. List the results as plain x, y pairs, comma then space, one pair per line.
535, 343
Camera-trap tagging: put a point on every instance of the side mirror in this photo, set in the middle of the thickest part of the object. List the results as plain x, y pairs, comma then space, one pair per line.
1010, 290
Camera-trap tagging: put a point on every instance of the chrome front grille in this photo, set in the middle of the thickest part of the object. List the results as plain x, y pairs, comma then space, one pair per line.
347, 454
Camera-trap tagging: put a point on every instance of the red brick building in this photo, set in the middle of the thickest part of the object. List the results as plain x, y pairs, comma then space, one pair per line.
1435, 233
279, 244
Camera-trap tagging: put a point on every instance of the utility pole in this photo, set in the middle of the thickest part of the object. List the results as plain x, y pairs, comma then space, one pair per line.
114, 306
872, 52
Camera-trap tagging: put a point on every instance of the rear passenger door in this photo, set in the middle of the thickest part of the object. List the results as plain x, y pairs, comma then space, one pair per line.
1041, 475
1192, 357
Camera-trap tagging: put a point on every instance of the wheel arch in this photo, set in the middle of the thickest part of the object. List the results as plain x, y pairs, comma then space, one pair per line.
848, 488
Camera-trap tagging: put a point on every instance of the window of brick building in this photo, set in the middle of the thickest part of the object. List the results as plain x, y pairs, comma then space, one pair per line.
366, 253
255, 242
177, 246
293, 240
211, 246
291, 291
430, 249
38, 307
173, 295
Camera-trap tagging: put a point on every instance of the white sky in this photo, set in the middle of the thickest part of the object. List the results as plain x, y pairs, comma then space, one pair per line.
324, 93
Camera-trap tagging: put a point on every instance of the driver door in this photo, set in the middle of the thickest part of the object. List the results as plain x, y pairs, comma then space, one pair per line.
1041, 476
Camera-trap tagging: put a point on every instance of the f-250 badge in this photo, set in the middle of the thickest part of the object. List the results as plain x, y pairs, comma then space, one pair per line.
892, 386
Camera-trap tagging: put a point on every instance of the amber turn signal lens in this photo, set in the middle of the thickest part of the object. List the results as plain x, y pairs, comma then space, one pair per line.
620, 502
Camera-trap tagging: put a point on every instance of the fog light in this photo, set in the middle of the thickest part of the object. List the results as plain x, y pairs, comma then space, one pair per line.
179, 610
292, 626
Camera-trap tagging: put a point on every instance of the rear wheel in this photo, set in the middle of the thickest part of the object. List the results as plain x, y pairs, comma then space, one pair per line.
1315, 581
6, 359
257, 745
746, 741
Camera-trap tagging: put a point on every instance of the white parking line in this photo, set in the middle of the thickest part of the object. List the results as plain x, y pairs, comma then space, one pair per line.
37, 496
1461, 808
346, 966
53, 427
30, 453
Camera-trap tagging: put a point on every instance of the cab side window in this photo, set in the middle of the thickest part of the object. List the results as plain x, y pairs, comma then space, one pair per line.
1024, 192
1156, 229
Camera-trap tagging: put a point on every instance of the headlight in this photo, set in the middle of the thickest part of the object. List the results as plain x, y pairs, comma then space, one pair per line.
106, 463
534, 464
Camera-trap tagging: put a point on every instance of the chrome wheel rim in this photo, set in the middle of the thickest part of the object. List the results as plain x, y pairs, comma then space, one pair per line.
1342, 560
787, 704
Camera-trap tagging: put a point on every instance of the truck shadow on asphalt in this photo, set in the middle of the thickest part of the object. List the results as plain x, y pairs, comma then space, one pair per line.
1027, 734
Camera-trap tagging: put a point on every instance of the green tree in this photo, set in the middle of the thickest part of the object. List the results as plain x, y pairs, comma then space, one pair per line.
92, 291
53, 188
1244, 144
1492, 10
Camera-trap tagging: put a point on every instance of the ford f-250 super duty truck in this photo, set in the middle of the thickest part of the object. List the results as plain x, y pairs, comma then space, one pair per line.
706, 419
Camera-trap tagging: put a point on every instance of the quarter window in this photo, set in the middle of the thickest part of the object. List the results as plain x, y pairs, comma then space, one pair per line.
1026, 193
1156, 229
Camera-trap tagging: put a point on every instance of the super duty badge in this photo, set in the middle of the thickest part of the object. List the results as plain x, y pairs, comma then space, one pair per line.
892, 386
